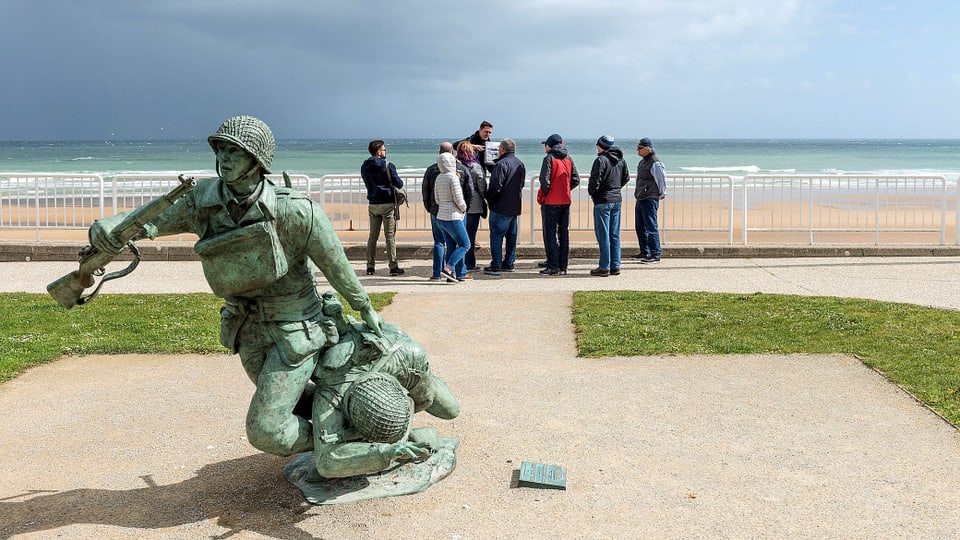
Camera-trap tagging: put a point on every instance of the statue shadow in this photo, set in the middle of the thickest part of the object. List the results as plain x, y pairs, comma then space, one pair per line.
244, 494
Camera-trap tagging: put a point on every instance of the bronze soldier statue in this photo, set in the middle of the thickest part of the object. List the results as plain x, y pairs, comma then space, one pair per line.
256, 241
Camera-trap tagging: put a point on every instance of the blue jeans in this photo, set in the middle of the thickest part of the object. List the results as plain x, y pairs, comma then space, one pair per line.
648, 233
503, 226
473, 225
606, 224
438, 245
556, 234
455, 234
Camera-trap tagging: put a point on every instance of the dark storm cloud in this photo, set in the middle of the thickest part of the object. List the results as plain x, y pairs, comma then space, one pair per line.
176, 68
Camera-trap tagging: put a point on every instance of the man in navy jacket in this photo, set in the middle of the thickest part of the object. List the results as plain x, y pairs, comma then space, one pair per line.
505, 196
378, 175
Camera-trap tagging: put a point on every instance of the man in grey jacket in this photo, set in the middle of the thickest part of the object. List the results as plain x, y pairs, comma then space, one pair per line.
651, 189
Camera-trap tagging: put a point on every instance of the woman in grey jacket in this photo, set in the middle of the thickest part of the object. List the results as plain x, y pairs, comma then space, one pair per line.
449, 196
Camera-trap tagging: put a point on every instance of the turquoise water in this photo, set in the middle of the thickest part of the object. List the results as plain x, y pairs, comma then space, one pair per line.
344, 156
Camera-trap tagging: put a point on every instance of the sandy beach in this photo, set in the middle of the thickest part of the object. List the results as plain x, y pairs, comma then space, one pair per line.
686, 221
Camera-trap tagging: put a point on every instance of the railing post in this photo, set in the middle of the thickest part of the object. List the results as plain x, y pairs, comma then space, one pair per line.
113, 188
730, 211
956, 215
745, 203
876, 198
533, 209
810, 206
943, 211
100, 194
36, 223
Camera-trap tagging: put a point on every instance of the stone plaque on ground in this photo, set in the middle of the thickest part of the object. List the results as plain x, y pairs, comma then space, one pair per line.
538, 475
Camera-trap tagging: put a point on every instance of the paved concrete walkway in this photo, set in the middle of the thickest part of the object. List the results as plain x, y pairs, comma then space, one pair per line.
655, 447
928, 281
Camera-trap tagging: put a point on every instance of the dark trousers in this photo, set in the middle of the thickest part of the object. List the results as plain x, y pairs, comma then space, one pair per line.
648, 232
439, 246
473, 225
556, 234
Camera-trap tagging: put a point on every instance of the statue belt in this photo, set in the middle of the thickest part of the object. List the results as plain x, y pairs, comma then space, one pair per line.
288, 307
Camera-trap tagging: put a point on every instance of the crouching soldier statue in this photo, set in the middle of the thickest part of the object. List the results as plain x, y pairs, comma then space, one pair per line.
346, 387
255, 244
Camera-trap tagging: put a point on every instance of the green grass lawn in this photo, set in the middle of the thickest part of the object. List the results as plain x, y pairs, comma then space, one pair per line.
34, 329
915, 347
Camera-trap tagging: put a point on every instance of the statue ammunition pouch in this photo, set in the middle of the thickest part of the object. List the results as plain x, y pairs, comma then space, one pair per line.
242, 260
294, 322
297, 341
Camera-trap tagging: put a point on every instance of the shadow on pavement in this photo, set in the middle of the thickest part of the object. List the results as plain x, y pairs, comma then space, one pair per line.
244, 494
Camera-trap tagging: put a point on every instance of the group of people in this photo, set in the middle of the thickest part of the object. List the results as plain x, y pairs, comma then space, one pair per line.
608, 176
463, 187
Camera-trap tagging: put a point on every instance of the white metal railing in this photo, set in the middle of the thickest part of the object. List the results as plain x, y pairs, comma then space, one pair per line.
835, 206
699, 209
50, 201
344, 198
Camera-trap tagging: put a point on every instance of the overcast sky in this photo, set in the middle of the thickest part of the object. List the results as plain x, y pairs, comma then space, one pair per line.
160, 69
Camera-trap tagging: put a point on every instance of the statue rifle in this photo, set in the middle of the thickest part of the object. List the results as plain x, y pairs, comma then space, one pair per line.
68, 290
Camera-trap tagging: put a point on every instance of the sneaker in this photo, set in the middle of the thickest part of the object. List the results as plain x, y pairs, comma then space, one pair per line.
466, 277
507, 268
434, 278
491, 270
614, 271
650, 260
549, 272
447, 272
542, 264
601, 272
371, 270
396, 271
562, 272
475, 268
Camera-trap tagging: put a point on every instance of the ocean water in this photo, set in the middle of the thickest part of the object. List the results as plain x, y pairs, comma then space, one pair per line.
318, 157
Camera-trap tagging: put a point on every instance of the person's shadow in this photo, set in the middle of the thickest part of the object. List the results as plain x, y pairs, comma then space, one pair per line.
248, 493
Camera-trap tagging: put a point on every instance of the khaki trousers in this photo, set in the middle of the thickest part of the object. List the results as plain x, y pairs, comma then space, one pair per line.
382, 214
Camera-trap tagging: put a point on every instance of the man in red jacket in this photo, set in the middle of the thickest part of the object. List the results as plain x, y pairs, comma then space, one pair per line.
558, 177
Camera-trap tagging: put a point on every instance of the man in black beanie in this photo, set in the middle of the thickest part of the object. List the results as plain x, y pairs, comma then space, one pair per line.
607, 177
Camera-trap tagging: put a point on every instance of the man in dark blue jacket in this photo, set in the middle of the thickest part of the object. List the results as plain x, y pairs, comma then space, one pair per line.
505, 196
378, 175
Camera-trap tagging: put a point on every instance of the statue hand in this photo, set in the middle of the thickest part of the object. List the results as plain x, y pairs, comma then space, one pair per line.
373, 319
408, 450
